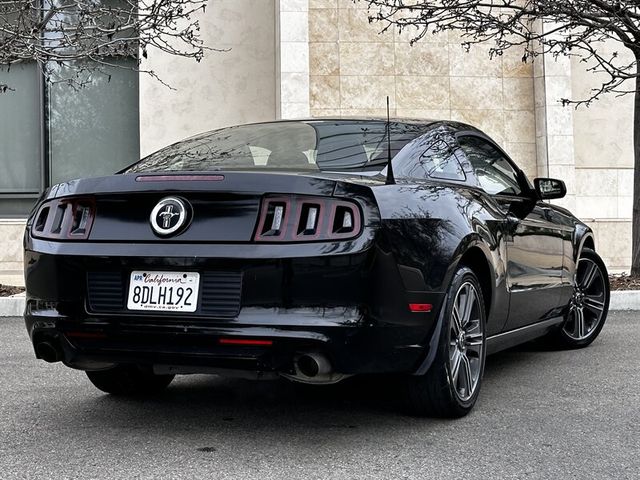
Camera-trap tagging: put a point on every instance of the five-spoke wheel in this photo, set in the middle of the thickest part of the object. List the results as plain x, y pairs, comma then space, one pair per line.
587, 309
451, 385
466, 344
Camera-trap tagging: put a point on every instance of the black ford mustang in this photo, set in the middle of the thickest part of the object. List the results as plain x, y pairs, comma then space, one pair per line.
293, 249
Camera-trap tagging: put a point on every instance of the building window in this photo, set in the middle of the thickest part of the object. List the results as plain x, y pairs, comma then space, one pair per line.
93, 131
90, 131
21, 167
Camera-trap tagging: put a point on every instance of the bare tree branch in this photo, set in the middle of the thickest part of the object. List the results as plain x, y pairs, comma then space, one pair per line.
84, 36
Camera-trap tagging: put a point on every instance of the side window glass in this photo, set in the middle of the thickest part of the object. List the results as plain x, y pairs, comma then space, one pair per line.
493, 170
438, 160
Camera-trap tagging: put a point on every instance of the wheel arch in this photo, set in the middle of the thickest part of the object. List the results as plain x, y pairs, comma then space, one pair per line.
584, 238
474, 253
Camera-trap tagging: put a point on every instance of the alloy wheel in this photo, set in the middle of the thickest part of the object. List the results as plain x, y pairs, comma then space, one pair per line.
466, 342
587, 305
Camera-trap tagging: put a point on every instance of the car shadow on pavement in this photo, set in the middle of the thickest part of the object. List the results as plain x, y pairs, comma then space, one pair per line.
208, 401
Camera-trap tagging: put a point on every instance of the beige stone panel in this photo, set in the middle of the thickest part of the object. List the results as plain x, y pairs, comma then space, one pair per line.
514, 66
625, 207
294, 5
476, 93
561, 149
380, 113
225, 88
11, 244
324, 59
518, 93
294, 57
597, 207
613, 242
323, 4
597, 182
354, 26
490, 122
325, 113
604, 136
324, 91
476, 62
294, 26
625, 181
366, 58
323, 25
520, 126
559, 120
540, 95
423, 114
430, 93
604, 131
524, 154
557, 89
406, 35
422, 59
541, 156
291, 110
360, 92
556, 67
353, 5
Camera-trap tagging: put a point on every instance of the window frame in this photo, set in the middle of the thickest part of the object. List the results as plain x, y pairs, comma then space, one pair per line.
526, 190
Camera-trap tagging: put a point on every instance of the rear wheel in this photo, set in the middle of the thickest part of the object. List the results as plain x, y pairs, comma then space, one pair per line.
451, 386
129, 380
589, 305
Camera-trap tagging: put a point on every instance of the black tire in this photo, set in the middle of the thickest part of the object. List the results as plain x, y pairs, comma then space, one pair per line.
129, 380
437, 392
595, 296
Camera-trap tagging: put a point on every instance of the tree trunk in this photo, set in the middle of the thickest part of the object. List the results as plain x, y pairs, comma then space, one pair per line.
635, 236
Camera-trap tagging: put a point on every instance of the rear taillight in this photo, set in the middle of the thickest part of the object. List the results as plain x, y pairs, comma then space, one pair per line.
65, 219
297, 218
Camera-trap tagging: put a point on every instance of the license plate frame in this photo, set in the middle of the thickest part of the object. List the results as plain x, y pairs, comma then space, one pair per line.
163, 291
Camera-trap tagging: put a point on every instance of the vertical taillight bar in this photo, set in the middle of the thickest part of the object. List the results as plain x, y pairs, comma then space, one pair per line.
301, 218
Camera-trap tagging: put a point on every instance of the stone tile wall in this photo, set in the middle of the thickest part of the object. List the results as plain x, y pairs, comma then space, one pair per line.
11, 266
226, 88
603, 138
353, 67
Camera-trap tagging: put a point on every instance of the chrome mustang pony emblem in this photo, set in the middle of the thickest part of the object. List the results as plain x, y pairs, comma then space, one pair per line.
169, 216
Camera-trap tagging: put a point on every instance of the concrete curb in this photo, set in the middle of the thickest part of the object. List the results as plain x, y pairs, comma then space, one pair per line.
625, 300
620, 300
12, 306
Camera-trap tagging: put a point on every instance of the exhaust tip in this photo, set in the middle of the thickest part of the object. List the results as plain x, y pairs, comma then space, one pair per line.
48, 352
313, 364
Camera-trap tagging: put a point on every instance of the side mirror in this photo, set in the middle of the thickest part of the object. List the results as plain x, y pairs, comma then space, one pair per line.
550, 188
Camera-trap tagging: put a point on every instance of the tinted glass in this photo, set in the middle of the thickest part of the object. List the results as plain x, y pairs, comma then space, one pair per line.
493, 170
94, 130
20, 130
312, 145
436, 158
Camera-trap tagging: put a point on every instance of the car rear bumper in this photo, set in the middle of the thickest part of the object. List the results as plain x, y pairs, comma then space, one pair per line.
275, 337
352, 307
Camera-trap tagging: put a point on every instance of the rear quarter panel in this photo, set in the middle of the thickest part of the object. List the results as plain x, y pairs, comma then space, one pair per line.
429, 226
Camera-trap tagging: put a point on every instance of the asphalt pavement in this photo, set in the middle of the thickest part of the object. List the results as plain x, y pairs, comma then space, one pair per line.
541, 414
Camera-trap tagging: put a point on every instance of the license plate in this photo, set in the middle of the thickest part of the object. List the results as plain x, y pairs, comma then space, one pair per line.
164, 291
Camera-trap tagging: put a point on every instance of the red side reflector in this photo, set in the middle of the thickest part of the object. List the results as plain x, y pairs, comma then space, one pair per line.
179, 178
420, 307
245, 341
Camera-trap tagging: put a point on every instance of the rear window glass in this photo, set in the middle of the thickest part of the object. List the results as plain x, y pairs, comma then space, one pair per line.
309, 145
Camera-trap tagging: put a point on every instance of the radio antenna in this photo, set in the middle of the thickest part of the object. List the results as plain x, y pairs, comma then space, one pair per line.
390, 178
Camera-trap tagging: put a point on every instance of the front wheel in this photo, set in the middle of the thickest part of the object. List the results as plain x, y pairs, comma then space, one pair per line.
589, 305
129, 380
451, 386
